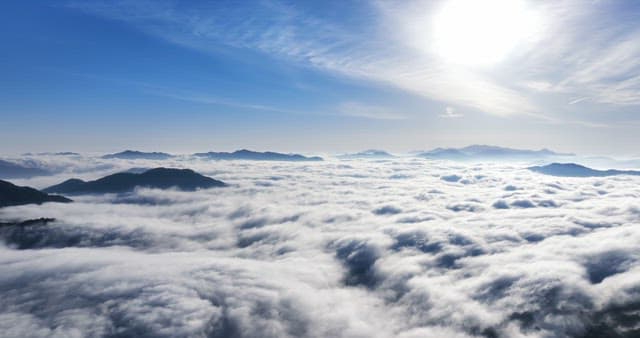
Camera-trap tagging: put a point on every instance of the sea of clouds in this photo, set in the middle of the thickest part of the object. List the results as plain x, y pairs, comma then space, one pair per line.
354, 248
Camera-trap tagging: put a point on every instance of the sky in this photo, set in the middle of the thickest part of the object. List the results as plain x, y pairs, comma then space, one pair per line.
311, 76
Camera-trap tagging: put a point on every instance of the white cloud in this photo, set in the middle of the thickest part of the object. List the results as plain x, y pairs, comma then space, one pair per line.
578, 100
285, 33
541, 86
368, 111
331, 248
451, 113
578, 50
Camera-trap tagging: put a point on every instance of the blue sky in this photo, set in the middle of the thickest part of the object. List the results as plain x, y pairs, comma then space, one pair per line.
319, 76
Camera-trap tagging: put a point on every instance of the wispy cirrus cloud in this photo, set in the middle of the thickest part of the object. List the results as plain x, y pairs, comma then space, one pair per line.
567, 58
593, 52
358, 109
282, 31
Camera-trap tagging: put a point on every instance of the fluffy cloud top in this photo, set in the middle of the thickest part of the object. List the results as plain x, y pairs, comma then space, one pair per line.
334, 249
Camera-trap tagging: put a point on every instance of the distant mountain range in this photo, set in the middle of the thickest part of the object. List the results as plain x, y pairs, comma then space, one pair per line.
161, 178
66, 153
371, 153
61, 153
485, 152
138, 155
13, 170
576, 170
11, 194
245, 154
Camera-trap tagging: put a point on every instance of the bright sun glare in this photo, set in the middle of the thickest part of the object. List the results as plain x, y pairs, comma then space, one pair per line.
482, 33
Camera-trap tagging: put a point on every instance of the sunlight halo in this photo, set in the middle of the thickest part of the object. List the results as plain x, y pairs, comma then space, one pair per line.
481, 33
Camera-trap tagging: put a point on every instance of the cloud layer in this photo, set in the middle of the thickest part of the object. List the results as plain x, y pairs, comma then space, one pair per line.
358, 248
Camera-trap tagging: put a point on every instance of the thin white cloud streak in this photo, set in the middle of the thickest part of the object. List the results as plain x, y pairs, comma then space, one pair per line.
355, 109
358, 109
576, 101
214, 100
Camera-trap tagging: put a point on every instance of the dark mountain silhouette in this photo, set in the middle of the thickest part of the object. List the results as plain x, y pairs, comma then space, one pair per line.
68, 186
245, 154
576, 170
370, 153
485, 152
138, 155
11, 194
161, 178
14, 170
29, 222
60, 153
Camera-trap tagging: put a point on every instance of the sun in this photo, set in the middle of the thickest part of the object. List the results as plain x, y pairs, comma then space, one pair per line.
481, 33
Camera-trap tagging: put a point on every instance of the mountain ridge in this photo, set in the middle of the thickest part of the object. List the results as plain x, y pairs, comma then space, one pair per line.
480, 151
245, 154
577, 170
138, 155
160, 178
369, 153
12, 195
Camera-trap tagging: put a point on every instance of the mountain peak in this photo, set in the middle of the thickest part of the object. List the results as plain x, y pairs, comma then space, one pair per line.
160, 178
488, 152
138, 155
245, 154
577, 170
369, 153
11, 194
